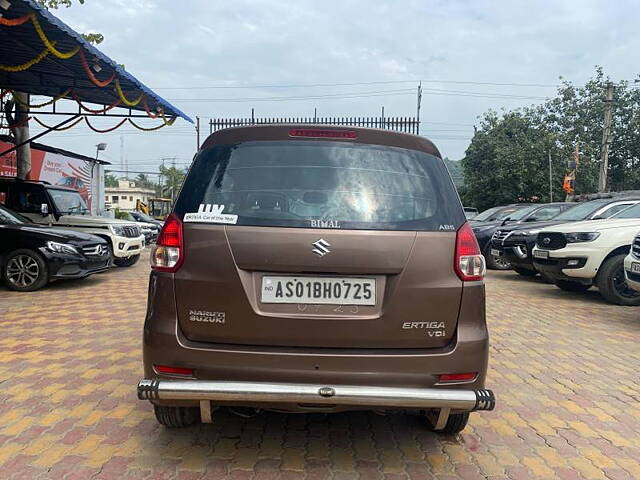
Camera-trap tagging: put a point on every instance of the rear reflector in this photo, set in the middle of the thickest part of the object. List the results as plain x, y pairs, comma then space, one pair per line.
457, 377
313, 133
173, 370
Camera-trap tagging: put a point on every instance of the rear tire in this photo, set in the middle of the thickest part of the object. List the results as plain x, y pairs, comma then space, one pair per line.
126, 262
613, 285
569, 286
176, 417
525, 272
455, 424
495, 263
25, 271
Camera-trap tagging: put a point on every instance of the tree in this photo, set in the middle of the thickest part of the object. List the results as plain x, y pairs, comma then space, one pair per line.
172, 179
91, 37
508, 161
508, 158
110, 181
145, 182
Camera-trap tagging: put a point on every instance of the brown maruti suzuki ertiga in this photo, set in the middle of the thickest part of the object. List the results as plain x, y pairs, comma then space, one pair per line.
316, 269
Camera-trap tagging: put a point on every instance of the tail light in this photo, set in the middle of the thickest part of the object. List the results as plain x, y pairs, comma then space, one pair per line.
469, 263
168, 254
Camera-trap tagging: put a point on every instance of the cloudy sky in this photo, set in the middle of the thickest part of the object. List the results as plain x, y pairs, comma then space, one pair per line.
193, 51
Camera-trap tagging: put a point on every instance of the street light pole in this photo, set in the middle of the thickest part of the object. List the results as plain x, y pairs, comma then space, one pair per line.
99, 148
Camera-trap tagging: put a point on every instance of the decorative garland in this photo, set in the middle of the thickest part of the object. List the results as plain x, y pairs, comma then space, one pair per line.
151, 114
49, 102
13, 22
90, 110
59, 129
124, 99
169, 122
90, 74
50, 48
104, 131
27, 65
50, 45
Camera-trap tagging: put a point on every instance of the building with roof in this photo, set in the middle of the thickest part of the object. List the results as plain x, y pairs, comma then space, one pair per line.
126, 196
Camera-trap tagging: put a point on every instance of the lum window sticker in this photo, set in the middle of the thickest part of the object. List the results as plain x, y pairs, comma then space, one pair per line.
211, 213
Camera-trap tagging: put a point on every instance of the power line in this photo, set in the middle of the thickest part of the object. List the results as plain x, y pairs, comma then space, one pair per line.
381, 93
388, 82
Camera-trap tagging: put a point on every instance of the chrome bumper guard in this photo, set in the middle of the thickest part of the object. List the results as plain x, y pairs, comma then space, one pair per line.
351, 395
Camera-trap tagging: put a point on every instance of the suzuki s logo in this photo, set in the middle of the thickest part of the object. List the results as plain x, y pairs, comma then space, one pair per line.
321, 247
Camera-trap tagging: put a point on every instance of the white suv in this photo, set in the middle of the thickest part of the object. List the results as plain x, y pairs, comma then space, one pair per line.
632, 264
581, 254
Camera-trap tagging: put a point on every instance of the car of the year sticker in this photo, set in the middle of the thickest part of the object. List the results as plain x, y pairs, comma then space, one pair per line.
211, 213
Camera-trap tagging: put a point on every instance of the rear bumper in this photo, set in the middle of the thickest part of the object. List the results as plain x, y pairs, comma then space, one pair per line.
367, 368
321, 395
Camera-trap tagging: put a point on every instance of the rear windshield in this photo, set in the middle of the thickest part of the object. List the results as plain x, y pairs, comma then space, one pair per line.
320, 184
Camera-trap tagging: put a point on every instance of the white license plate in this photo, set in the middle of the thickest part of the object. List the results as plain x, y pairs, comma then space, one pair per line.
541, 254
495, 252
319, 290
635, 267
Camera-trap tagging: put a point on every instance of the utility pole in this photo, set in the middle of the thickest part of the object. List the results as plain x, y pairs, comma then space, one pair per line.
123, 166
606, 139
550, 178
197, 133
20, 131
160, 180
418, 109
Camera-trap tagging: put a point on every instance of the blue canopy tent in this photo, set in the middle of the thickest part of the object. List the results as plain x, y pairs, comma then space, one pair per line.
41, 55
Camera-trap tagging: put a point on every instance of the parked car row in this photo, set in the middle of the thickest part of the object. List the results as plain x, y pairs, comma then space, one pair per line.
47, 234
583, 246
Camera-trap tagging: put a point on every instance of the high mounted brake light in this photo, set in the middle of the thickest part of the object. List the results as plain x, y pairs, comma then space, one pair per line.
168, 254
468, 263
315, 133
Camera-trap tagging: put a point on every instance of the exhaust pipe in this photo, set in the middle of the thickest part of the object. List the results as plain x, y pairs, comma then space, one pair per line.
351, 395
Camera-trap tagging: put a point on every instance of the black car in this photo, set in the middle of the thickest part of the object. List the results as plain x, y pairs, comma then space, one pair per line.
517, 213
143, 217
32, 255
514, 243
496, 213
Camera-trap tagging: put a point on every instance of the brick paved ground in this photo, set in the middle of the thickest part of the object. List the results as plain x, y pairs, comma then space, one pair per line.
565, 369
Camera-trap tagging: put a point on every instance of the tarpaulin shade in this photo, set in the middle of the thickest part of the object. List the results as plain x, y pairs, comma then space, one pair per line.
38, 50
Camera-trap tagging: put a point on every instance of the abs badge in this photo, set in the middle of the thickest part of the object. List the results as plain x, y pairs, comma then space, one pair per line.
211, 213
